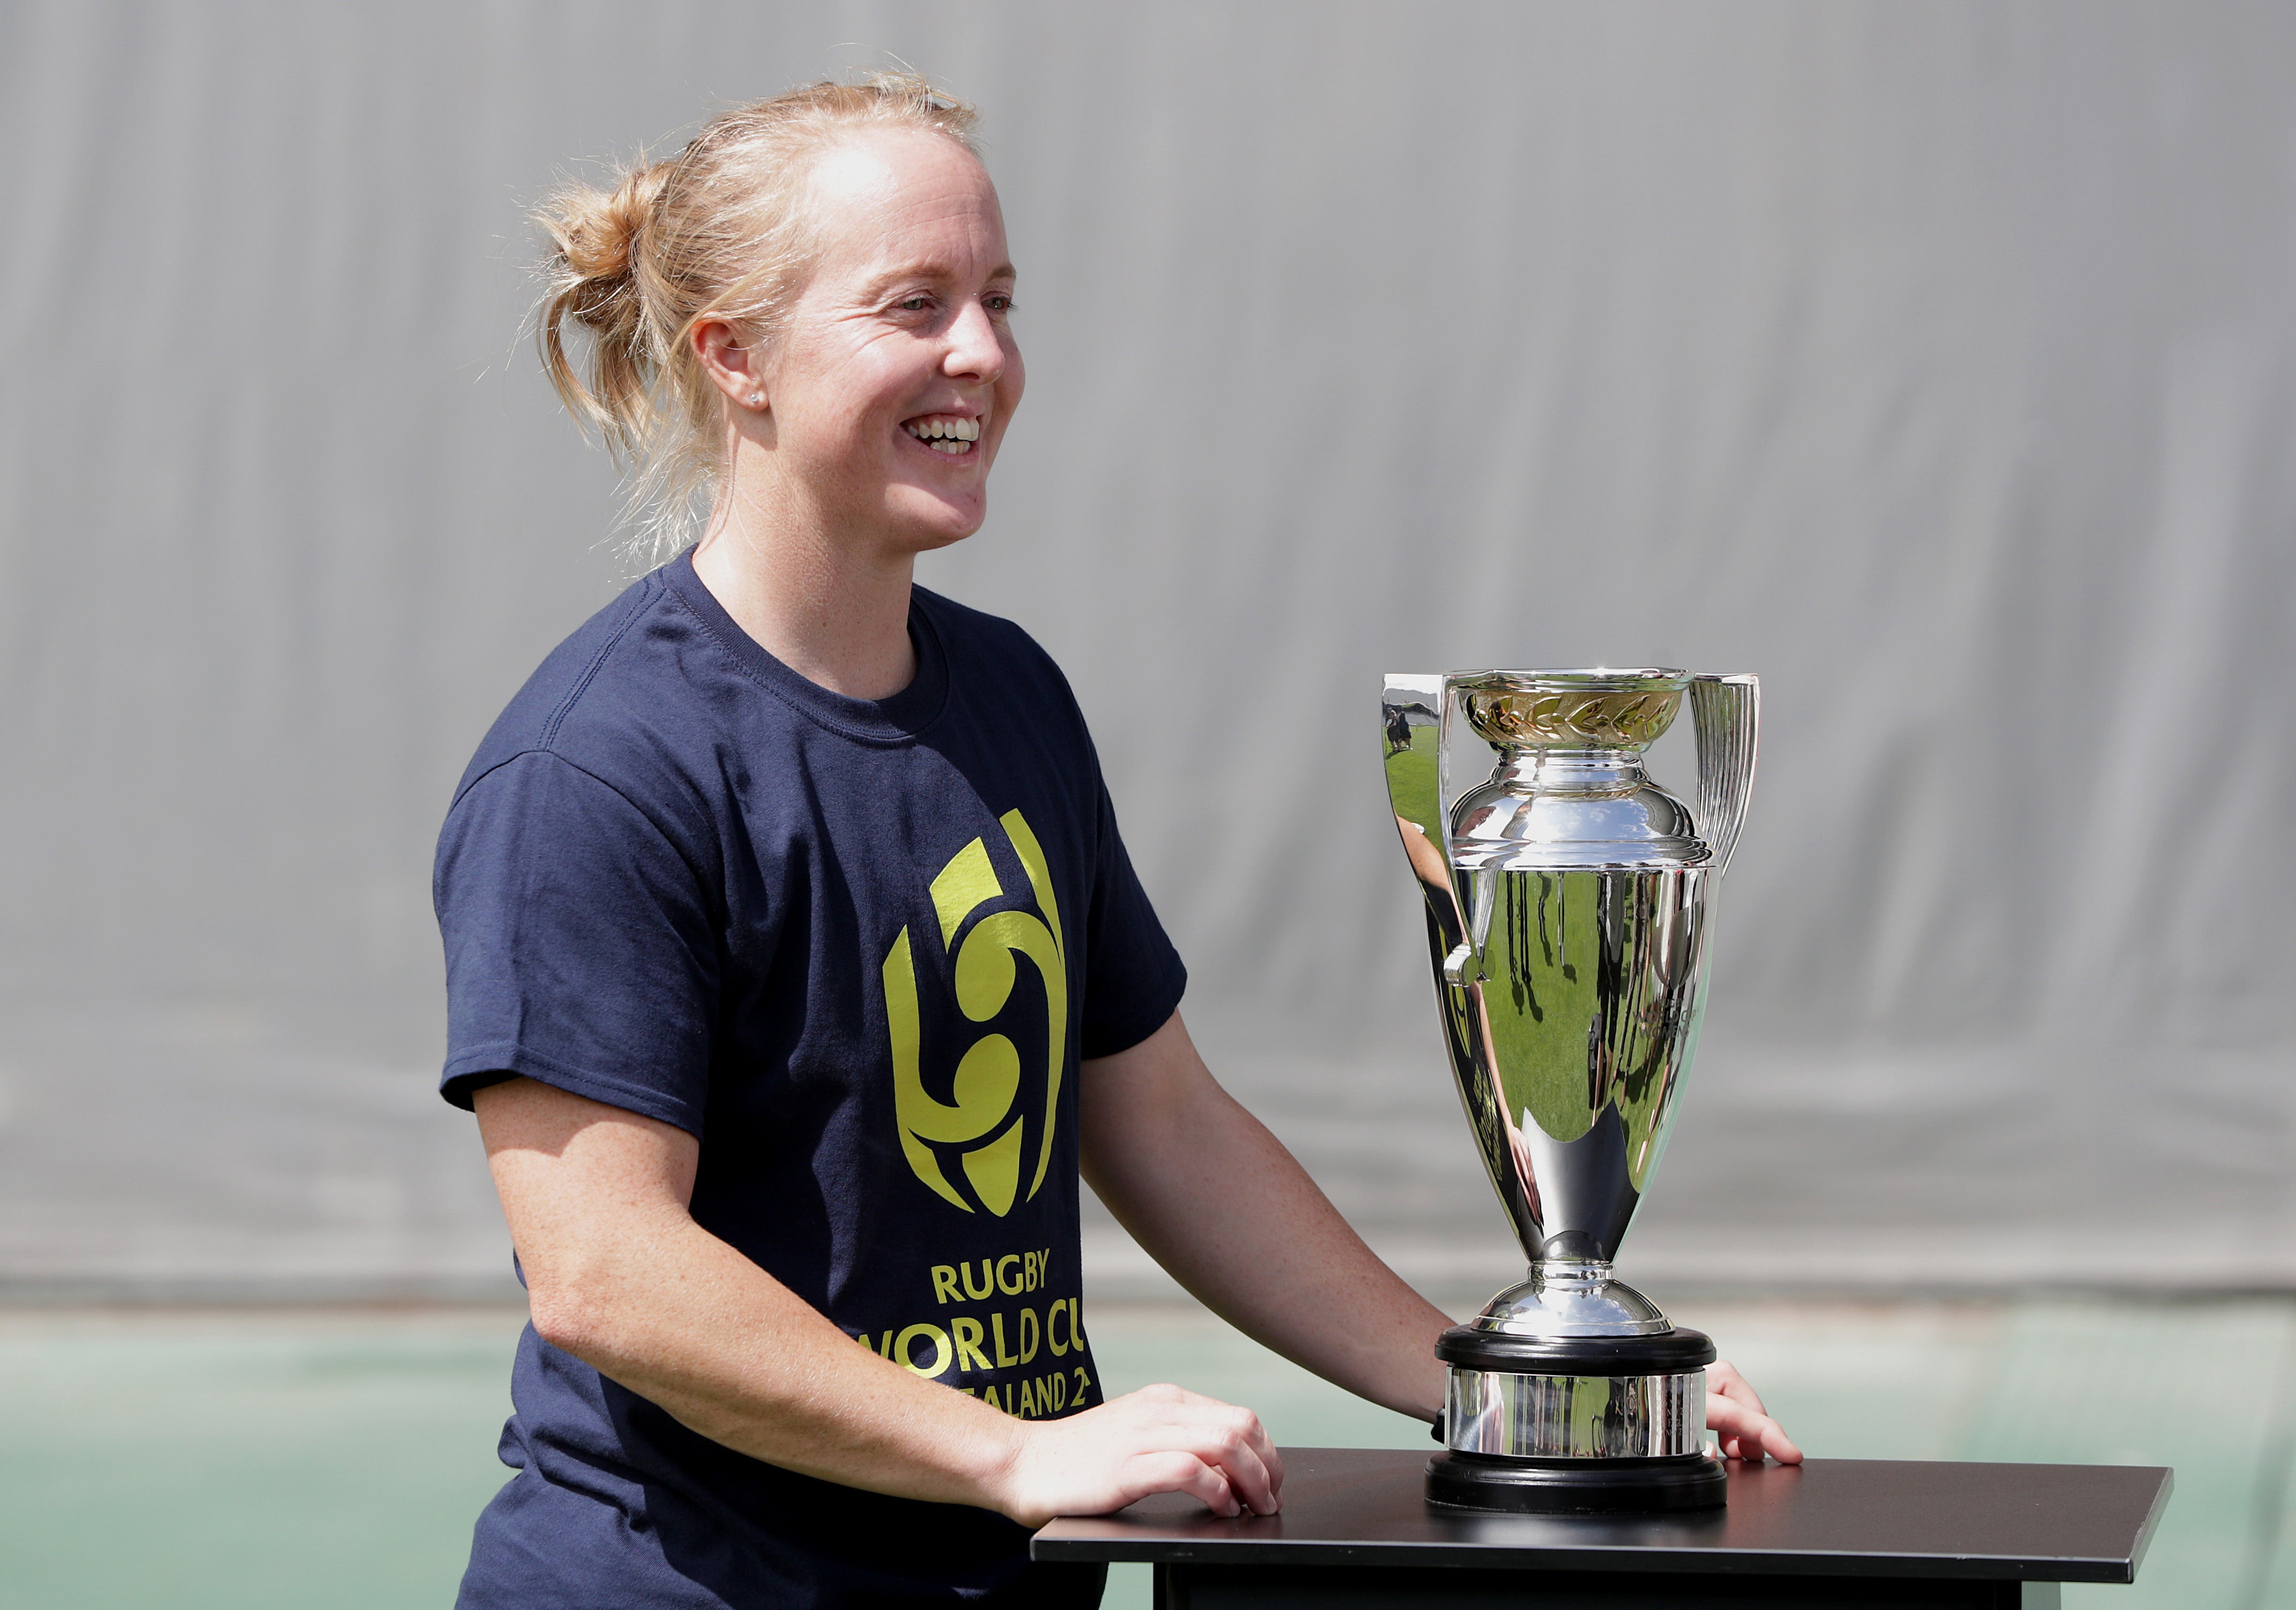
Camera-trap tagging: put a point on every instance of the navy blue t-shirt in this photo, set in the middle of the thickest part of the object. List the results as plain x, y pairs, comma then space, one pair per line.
857, 948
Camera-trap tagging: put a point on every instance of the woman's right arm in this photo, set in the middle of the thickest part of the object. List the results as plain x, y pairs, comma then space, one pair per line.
619, 1275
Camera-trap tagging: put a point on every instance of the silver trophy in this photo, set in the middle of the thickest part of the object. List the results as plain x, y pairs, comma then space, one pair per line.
1567, 905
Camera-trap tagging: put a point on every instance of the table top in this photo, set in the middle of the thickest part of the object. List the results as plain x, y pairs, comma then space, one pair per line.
1827, 1517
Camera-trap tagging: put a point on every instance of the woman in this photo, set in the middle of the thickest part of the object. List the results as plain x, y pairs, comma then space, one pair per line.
796, 966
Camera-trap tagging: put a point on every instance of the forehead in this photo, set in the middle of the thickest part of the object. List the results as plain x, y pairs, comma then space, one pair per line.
891, 198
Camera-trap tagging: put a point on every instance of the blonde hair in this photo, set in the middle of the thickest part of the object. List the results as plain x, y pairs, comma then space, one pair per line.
718, 231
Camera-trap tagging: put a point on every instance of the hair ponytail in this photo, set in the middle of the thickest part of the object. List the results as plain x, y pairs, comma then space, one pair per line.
714, 233
593, 279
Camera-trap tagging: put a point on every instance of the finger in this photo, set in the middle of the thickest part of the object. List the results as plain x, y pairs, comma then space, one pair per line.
1249, 1479
1227, 1447
1722, 1377
1778, 1445
1263, 1448
1729, 1421
1747, 1433
1248, 1474
1181, 1472
1219, 1435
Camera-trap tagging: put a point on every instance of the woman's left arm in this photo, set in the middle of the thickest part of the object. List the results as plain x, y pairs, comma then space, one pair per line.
1218, 1202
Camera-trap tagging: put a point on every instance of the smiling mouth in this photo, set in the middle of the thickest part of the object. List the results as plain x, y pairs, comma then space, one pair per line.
945, 433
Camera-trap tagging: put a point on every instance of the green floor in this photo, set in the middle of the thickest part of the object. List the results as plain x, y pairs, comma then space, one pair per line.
295, 1460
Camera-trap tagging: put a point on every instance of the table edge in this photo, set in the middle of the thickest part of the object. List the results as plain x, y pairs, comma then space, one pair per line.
1050, 1544
2151, 1522
1656, 1562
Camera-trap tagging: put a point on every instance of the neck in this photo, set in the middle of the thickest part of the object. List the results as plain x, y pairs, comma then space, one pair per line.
830, 606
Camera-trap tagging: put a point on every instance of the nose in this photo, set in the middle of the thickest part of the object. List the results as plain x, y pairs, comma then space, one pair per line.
974, 352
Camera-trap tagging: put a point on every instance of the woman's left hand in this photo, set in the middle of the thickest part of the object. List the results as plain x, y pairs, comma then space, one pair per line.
1734, 1413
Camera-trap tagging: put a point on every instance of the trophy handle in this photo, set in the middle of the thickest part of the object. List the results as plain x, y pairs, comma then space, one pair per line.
1727, 713
1414, 719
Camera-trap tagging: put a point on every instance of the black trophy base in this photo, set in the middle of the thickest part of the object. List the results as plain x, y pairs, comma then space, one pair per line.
1529, 1486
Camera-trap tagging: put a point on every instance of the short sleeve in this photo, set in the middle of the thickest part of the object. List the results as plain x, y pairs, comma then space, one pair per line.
580, 949
1134, 978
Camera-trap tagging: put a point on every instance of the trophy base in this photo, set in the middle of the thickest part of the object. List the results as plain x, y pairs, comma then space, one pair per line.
1576, 1425
1568, 1486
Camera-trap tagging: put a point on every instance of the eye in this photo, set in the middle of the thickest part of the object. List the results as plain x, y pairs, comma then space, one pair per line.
917, 304
999, 301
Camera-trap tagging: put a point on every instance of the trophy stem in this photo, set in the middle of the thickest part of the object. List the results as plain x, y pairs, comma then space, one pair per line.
1571, 1297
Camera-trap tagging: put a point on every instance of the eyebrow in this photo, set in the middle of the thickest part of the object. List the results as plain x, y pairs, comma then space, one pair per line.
891, 277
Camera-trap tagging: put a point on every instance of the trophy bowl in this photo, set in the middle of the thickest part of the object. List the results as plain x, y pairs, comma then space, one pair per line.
1566, 905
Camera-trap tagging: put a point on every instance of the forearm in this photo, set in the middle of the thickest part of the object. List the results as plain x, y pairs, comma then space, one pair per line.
619, 1275
1220, 1203
688, 1323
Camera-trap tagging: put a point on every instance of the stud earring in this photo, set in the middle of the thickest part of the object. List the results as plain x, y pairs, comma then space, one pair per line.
757, 399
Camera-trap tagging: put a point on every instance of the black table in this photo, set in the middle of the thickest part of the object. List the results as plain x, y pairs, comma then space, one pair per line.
1356, 1533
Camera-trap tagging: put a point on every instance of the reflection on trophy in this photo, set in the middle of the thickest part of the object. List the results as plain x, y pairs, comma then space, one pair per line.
1567, 901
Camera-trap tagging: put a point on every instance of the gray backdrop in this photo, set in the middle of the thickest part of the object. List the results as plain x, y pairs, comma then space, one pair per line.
1936, 361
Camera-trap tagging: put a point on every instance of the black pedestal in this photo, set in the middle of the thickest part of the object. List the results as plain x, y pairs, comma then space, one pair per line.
1668, 1353
1358, 1534
1471, 1481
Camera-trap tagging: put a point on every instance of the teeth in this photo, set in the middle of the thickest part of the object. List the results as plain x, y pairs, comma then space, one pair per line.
944, 428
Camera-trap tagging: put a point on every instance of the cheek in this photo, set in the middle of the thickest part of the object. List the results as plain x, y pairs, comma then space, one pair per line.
1008, 385
840, 396
866, 395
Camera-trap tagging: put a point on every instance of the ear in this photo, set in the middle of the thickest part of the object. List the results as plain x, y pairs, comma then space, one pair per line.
732, 367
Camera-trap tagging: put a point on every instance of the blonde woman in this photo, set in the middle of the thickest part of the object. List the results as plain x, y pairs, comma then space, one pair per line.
796, 968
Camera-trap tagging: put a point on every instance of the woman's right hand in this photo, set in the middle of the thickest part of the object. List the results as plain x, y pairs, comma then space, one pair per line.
1159, 1439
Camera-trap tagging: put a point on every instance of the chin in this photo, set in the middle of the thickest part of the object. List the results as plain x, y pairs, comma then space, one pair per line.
928, 542
938, 525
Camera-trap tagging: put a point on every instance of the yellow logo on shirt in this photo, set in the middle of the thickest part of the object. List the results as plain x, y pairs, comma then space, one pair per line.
985, 1120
